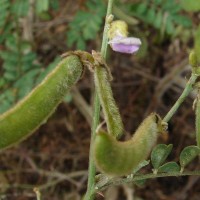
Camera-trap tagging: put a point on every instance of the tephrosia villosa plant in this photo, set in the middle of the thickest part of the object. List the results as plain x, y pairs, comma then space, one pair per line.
119, 162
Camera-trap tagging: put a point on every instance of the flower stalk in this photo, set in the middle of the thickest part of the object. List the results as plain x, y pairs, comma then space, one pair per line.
185, 93
92, 171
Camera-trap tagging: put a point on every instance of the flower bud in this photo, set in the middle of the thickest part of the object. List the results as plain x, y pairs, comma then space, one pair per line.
193, 61
118, 28
119, 41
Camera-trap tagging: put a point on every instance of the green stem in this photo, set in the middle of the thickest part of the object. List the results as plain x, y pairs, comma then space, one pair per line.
92, 171
197, 118
106, 28
38, 194
186, 91
121, 181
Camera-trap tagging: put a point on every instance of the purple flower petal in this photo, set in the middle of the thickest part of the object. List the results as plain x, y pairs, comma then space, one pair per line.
125, 44
124, 48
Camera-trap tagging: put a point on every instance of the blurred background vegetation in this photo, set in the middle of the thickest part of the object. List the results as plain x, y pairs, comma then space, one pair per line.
33, 34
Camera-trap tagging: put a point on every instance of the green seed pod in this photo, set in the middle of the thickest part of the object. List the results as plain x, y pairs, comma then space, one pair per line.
110, 109
19, 122
118, 158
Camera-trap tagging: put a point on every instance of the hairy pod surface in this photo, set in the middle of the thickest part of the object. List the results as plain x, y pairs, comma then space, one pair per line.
118, 158
20, 121
110, 109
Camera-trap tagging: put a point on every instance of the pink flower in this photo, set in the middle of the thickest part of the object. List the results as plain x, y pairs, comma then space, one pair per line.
125, 44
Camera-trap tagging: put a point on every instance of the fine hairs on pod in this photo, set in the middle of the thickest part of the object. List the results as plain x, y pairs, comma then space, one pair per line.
110, 109
25, 117
116, 158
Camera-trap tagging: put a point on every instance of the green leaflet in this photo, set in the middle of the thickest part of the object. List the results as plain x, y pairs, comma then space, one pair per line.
188, 154
159, 154
20, 121
4, 11
169, 167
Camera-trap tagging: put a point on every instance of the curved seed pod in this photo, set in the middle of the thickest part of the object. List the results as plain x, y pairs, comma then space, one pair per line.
19, 122
110, 109
117, 158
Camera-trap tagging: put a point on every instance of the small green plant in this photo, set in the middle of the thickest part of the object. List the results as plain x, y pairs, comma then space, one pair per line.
163, 15
112, 157
5, 4
21, 69
86, 24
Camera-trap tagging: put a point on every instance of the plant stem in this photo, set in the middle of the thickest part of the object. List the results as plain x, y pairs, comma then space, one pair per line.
186, 91
106, 28
38, 194
197, 119
121, 181
92, 171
